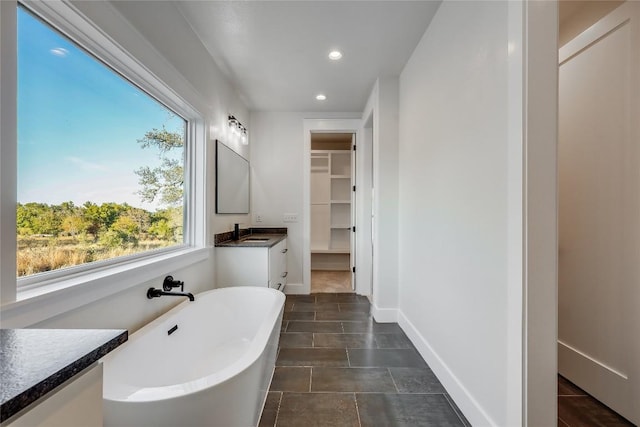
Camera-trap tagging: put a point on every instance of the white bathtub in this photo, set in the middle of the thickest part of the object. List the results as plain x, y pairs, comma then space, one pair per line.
213, 370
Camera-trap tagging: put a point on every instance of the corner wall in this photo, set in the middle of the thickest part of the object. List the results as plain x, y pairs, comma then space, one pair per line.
453, 173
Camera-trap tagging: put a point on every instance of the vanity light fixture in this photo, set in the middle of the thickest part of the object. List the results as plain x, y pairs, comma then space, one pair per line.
238, 130
321, 97
334, 55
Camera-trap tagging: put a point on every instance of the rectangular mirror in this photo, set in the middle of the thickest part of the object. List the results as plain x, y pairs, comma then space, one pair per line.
232, 181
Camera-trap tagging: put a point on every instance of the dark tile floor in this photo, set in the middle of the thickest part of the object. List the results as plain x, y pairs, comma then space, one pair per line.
337, 367
577, 409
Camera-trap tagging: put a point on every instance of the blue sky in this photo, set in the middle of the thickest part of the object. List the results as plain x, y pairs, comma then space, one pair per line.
78, 123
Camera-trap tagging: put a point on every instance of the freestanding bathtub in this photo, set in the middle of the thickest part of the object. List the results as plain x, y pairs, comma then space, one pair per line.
214, 369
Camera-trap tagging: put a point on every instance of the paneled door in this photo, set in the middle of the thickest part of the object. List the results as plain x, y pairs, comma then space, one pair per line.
599, 211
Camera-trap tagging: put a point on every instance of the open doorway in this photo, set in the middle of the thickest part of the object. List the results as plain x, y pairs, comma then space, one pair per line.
332, 209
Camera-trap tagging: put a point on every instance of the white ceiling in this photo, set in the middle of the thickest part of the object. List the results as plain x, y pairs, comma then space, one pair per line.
275, 52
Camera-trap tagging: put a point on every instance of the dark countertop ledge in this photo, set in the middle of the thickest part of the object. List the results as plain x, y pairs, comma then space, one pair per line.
33, 362
272, 240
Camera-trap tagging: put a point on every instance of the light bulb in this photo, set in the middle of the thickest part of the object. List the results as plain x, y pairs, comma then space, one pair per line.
334, 55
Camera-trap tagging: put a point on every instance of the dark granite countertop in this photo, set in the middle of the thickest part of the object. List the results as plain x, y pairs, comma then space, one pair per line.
35, 361
265, 241
268, 237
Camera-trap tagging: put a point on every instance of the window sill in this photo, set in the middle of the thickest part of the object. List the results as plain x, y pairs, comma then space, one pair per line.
39, 303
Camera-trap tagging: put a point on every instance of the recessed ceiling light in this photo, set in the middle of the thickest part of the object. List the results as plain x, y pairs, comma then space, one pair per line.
321, 97
334, 55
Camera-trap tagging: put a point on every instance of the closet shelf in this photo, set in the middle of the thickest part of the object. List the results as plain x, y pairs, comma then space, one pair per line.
331, 251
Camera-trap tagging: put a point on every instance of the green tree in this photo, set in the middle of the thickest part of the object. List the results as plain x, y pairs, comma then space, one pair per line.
163, 183
123, 231
126, 225
141, 217
24, 218
37, 218
166, 224
73, 224
161, 229
100, 218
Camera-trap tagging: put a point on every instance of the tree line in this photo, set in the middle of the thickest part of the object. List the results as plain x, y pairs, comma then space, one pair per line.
109, 224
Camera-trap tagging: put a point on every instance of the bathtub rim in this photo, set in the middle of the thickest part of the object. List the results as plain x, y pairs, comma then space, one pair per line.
178, 390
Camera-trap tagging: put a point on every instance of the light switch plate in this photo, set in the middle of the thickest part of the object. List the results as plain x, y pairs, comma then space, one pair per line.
290, 217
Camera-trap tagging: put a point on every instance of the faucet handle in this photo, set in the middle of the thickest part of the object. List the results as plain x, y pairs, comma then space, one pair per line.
169, 283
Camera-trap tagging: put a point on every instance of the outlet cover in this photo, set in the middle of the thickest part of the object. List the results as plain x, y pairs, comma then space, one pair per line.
290, 217
258, 217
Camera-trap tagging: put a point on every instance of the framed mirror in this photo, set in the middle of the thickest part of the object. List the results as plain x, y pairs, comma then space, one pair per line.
232, 181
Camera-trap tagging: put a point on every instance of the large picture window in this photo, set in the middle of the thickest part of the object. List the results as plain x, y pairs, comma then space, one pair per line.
101, 163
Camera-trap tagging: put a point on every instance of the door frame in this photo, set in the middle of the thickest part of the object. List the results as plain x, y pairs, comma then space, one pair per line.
353, 126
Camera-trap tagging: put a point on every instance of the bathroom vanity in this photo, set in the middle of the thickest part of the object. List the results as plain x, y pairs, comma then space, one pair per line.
53, 377
256, 259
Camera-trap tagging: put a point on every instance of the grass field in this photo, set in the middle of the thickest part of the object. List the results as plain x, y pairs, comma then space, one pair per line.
39, 254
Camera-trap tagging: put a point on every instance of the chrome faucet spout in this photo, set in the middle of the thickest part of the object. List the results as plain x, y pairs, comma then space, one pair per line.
157, 293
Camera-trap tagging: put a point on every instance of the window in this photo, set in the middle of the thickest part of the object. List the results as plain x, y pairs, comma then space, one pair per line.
101, 163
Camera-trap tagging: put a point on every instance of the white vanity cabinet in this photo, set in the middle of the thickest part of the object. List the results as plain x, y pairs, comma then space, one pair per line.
252, 266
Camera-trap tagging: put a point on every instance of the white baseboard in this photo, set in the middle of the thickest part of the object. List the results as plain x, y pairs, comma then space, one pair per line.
465, 401
296, 289
605, 383
384, 315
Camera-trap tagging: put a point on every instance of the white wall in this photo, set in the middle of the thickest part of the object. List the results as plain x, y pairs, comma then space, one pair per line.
277, 177
178, 58
453, 204
131, 309
383, 107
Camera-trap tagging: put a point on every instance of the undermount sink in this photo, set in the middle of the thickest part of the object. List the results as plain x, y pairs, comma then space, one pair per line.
255, 239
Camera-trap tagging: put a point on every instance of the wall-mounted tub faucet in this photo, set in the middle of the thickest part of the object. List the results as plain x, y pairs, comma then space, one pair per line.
167, 285
157, 293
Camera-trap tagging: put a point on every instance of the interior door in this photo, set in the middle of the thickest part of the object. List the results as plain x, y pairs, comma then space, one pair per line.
599, 211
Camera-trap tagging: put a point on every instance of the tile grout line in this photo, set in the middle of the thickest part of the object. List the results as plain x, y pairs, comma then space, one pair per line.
348, 360
355, 398
275, 423
564, 422
310, 377
393, 380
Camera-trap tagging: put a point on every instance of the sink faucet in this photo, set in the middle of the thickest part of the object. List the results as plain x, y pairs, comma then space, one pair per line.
157, 293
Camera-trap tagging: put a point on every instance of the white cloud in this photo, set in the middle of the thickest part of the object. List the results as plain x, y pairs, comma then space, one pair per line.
87, 165
59, 51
